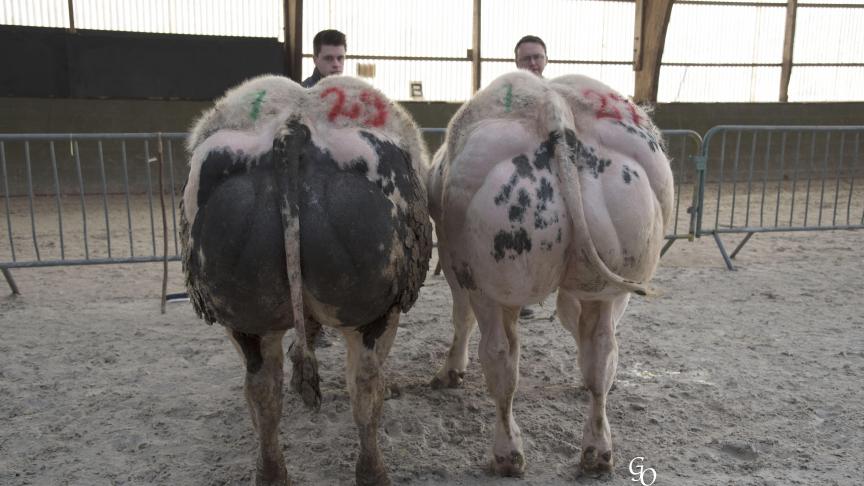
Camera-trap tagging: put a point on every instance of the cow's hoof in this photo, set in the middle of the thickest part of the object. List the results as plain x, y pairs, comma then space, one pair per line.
371, 472
596, 463
306, 382
454, 380
509, 466
272, 478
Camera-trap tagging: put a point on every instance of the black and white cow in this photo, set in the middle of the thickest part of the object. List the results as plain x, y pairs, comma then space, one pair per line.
302, 208
543, 186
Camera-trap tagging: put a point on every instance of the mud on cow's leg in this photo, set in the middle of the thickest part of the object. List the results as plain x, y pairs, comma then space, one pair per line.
304, 370
368, 347
592, 323
452, 371
263, 388
499, 355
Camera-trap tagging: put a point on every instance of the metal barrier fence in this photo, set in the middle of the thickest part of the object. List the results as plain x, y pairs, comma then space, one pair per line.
81, 195
756, 179
681, 147
84, 199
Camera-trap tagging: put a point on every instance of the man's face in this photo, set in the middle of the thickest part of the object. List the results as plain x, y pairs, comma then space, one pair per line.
330, 60
531, 56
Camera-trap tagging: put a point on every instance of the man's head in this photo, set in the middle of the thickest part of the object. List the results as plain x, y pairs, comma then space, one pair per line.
531, 54
328, 52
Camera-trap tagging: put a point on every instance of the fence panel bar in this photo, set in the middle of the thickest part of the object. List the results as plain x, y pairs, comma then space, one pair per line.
150, 193
824, 174
750, 177
765, 179
105, 197
735, 180
795, 178
57, 196
126, 193
6, 196
679, 184
173, 192
76, 150
810, 175
839, 172
30, 198
720, 179
852, 182
780, 176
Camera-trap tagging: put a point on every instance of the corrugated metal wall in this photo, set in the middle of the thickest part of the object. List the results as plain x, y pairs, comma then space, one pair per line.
400, 28
246, 18
716, 50
575, 32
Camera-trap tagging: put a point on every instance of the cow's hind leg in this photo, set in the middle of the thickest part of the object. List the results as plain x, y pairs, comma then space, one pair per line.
304, 375
592, 323
368, 347
452, 371
499, 355
263, 387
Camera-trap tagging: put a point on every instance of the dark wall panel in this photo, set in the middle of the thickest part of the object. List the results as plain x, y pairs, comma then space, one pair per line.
33, 62
41, 62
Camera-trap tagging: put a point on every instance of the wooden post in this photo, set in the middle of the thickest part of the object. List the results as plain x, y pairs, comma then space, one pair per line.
293, 13
637, 35
71, 17
652, 18
475, 49
788, 47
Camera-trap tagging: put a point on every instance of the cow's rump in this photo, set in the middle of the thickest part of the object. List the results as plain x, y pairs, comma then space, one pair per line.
350, 237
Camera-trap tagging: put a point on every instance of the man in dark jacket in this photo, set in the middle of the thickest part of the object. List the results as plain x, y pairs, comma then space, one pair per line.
328, 54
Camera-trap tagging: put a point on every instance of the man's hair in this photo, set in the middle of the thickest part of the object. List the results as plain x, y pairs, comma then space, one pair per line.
330, 37
528, 38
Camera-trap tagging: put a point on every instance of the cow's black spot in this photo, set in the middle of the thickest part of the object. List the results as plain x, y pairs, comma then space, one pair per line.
517, 240
628, 174
545, 191
644, 134
584, 155
465, 276
517, 214
541, 223
360, 165
523, 198
523, 167
546, 245
503, 196
544, 154
523, 202
558, 237
393, 165
544, 195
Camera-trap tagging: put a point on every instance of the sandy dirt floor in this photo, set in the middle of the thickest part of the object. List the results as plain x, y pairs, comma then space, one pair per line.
749, 377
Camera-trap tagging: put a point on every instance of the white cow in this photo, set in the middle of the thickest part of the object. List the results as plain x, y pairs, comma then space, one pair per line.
302, 208
542, 186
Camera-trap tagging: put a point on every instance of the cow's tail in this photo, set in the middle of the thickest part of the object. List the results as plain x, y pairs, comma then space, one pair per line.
566, 157
287, 147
